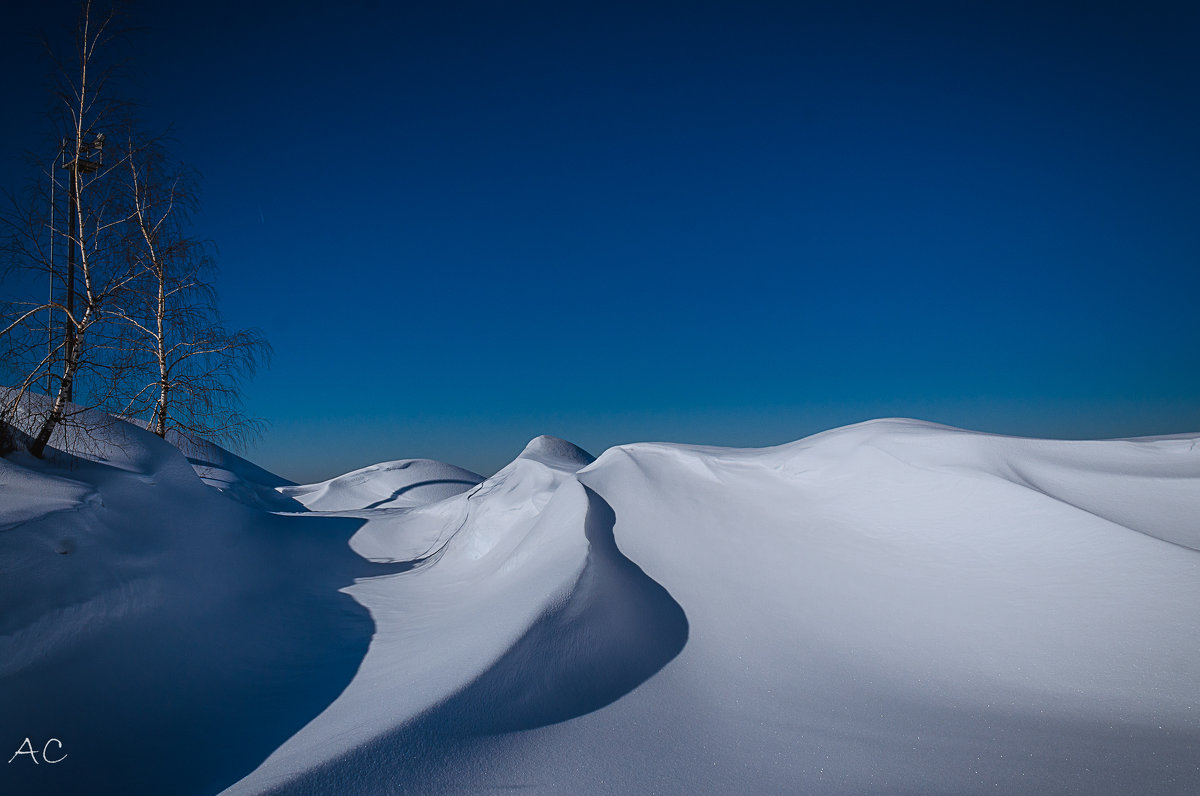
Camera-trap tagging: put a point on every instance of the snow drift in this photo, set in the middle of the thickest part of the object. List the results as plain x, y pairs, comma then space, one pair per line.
410, 482
892, 606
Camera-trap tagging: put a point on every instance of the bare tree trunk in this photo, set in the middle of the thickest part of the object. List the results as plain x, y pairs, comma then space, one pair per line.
59, 408
72, 331
75, 238
124, 330
164, 382
72, 219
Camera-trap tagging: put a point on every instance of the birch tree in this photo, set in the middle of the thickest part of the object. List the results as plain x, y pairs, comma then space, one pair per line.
112, 305
187, 368
69, 231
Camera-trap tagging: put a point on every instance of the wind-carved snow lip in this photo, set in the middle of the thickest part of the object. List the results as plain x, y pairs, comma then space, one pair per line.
380, 485
588, 625
600, 635
613, 630
948, 450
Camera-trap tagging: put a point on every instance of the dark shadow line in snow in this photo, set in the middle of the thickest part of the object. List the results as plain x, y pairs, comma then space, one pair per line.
412, 486
1020, 479
198, 462
617, 628
263, 477
439, 545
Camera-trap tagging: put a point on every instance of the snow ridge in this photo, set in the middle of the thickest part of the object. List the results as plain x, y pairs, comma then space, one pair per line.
520, 613
894, 605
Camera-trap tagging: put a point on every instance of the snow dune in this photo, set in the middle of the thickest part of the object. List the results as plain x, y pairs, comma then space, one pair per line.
410, 482
520, 613
892, 606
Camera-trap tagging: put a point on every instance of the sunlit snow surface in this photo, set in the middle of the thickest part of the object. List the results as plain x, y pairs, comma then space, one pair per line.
892, 606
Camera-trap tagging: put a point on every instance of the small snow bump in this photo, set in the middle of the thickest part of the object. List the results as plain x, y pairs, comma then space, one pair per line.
547, 447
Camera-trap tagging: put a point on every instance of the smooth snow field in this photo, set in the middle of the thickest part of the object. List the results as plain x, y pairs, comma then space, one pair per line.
890, 607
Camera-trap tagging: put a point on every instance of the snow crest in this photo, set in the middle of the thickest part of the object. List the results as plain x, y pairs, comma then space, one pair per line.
890, 606
519, 612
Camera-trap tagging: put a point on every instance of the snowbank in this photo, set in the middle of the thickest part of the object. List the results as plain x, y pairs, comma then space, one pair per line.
892, 606
409, 482
168, 636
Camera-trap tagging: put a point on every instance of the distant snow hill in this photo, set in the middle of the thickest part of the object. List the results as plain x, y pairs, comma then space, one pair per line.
894, 606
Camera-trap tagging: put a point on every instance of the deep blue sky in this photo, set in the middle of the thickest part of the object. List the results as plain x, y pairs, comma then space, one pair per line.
465, 224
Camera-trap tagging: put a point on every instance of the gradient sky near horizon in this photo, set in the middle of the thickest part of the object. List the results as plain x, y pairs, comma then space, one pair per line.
464, 224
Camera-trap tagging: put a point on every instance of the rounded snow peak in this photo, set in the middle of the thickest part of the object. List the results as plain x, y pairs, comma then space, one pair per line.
555, 451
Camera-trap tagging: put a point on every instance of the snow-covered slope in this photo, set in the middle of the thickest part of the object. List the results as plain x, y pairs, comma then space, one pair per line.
239, 479
409, 482
892, 606
519, 613
169, 636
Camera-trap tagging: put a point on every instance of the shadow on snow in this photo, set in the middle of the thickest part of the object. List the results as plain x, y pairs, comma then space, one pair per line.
615, 631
